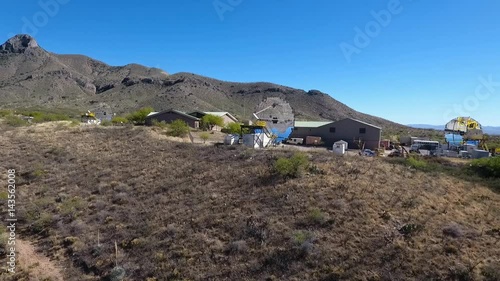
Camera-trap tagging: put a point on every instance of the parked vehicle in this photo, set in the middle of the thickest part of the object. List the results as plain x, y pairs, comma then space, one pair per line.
312, 140
368, 152
295, 141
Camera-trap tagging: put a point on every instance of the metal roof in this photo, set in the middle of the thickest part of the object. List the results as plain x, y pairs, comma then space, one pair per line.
362, 122
311, 124
177, 112
218, 113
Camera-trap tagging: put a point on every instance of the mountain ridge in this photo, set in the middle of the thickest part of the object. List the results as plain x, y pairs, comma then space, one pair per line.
491, 130
31, 76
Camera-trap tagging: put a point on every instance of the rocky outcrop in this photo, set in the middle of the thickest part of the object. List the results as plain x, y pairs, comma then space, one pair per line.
18, 44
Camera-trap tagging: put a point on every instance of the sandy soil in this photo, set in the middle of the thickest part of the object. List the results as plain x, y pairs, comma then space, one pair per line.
39, 266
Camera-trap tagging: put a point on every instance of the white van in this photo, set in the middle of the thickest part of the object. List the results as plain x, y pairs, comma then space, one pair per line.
295, 141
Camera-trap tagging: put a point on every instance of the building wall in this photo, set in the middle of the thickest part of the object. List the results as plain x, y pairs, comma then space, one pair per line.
227, 119
169, 117
347, 130
104, 115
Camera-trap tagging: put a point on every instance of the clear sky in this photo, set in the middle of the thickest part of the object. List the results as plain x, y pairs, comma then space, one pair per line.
417, 61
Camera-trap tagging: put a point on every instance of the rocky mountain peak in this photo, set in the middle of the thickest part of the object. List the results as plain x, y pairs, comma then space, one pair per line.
19, 44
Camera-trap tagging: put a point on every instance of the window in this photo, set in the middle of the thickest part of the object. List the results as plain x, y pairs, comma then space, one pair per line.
332, 129
362, 130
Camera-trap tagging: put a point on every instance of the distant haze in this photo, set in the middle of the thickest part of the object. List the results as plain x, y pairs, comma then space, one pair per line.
491, 130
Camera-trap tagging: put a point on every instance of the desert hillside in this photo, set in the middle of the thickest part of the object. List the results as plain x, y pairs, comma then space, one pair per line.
31, 76
180, 211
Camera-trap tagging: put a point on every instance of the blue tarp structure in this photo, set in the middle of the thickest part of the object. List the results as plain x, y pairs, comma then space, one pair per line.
282, 135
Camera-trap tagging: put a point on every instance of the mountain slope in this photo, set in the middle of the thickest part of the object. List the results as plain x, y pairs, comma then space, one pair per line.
491, 130
31, 76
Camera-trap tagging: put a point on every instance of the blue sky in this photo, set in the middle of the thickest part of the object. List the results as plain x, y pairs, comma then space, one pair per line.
410, 61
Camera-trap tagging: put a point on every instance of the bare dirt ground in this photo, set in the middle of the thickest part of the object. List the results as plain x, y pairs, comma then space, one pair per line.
38, 266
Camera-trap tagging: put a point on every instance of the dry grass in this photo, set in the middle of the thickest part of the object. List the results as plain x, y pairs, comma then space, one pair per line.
179, 211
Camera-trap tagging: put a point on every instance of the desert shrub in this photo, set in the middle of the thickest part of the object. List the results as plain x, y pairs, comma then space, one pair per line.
486, 167
42, 116
232, 128
71, 206
460, 273
117, 274
4, 195
209, 121
316, 216
417, 163
106, 123
139, 116
178, 128
204, 137
291, 167
15, 121
159, 124
491, 272
75, 123
300, 237
237, 247
117, 120
410, 229
44, 221
5, 112
314, 169
453, 230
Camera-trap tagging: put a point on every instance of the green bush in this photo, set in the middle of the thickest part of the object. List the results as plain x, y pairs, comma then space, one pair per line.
204, 136
178, 128
119, 120
106, 123
299, 237
209, 121
139, 116
232, 128
15, 121
5, 112
316, 216
161, 124
417, 163
41, 116
292, 167
486, 167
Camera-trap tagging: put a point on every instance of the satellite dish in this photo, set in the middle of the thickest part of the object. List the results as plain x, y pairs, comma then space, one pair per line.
466, 127
278, 116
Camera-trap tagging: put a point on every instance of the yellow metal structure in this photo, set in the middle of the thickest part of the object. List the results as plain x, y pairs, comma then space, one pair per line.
260, 123
90, 118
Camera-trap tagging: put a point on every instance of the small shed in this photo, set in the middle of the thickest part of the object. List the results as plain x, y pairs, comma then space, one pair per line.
256, 140
231, 139
340, 147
